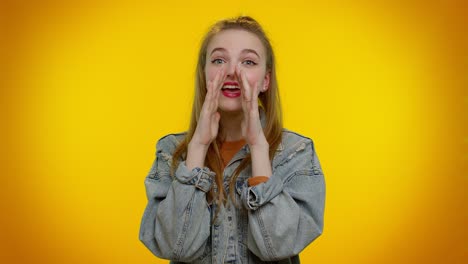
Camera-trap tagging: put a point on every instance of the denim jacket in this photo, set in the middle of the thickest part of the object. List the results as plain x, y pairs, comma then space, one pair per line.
277, 219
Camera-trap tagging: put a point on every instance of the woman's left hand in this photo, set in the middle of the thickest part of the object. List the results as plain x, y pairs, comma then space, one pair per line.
251, 126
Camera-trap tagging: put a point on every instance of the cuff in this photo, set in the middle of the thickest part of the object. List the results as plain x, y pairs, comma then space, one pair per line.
202, 178
253, 197
257, 180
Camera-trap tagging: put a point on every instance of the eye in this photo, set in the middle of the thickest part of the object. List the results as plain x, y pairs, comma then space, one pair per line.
250, 62
217, 61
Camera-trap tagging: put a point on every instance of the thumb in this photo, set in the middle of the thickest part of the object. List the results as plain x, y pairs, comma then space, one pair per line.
217, 116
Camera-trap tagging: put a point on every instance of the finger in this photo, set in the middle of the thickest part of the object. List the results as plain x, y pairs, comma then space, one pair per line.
220, 81
218, 87
246, 87
216, 80
215, 123
217, 117
208, 90
213, 90
244, 103
238, 75
255, 96
239, 78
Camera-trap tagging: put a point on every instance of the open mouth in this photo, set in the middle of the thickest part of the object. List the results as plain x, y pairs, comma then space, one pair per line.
230, 88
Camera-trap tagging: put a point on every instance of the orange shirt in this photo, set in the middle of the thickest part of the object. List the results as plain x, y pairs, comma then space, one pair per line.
229, 149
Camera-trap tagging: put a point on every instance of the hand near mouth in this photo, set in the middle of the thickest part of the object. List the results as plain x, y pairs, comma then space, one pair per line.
251, 126
208, 123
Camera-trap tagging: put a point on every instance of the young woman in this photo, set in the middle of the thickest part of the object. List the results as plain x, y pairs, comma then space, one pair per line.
237, 187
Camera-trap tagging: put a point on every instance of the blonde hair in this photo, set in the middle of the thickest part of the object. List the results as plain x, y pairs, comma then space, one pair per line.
269, 100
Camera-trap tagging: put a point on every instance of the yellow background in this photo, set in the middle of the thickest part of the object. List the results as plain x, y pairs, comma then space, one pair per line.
89, 86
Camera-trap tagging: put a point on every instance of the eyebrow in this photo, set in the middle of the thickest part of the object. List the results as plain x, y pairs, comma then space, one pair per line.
243, 51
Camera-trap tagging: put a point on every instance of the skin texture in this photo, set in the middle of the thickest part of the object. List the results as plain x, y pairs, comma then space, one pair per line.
233, 56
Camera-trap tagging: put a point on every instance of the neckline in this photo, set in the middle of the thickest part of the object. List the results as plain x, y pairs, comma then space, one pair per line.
233, 144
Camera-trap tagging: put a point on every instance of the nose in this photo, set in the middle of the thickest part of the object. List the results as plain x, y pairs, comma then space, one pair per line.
231, 71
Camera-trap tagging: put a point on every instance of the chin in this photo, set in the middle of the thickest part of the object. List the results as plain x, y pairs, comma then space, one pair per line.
230, 108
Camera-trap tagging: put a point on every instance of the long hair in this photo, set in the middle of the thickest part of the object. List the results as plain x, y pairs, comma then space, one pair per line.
269, 101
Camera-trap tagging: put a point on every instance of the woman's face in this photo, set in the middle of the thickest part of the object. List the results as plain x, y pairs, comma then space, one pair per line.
231, 48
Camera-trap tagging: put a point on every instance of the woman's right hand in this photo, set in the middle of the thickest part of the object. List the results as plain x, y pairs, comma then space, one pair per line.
208, 123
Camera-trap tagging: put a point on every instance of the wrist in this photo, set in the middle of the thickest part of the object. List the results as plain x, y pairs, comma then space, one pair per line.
196, 147
260, 142
261, 164
260, 146
196, 154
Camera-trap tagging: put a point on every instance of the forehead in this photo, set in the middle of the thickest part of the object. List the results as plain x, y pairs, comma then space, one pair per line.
236, 40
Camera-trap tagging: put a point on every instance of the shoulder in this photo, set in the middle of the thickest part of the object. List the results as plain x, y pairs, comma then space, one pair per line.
291, 139
169, 142
295, 151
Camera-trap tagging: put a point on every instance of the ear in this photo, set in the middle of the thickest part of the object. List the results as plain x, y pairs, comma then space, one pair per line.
266, 82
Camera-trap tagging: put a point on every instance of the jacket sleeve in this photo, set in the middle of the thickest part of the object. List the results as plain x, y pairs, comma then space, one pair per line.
176, 221
286, 212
